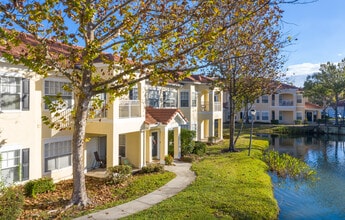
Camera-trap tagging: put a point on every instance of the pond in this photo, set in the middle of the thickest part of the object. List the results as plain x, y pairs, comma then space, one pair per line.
320, 199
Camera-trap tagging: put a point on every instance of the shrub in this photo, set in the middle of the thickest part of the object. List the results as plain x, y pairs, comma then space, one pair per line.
118, 174
171, 142
199, 148
187, 142
11, 203
42, 185
152, 168
168, 160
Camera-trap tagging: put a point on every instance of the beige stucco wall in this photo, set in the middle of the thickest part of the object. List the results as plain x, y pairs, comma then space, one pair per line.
22, 129
133, 148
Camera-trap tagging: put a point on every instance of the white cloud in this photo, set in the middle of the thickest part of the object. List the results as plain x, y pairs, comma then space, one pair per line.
302, 69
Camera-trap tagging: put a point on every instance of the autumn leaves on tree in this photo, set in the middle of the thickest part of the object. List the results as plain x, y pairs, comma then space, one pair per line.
104, 46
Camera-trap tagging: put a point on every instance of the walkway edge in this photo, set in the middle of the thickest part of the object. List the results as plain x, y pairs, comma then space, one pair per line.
184, 177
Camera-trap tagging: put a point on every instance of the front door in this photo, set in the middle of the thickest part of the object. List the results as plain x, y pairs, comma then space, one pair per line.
155, 145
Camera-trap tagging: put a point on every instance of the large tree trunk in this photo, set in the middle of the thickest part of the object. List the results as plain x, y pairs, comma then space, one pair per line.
79, 195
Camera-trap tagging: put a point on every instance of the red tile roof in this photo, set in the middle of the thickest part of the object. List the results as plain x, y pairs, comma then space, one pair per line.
309, 105
161, 115
198, 78
54, 48
287, 86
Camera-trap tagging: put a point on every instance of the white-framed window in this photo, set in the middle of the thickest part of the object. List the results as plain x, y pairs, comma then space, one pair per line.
257, 115
184, 99
122, 145
170, 98
264, 99
299, 98
133, 94
280, 116
194, 99
264, 116
185, 126
257, 100
14, 165
153, 97
54, 89
298, 115
194, 127
98, 105
14, 93
57, 154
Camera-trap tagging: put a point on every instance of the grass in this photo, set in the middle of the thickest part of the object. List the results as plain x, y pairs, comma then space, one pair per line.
228, 186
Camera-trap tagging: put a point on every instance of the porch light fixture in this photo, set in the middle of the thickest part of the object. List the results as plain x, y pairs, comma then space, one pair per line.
252, 113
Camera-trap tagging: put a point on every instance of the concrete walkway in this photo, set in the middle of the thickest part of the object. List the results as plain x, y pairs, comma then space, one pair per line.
184, 176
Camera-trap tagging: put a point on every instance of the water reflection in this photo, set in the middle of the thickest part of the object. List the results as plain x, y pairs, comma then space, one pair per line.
323, 199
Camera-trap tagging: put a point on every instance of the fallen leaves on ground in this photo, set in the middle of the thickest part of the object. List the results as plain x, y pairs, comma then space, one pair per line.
52, 204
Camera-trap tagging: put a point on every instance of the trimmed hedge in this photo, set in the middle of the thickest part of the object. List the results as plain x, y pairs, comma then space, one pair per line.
152, 168
118, 174
42, 185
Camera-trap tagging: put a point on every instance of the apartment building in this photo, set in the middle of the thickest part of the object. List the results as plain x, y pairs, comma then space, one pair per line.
203, 107
286, 106
131, 129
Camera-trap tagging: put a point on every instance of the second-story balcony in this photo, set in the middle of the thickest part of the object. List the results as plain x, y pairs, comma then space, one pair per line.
286, 103
204, 106
217, 106
129, 109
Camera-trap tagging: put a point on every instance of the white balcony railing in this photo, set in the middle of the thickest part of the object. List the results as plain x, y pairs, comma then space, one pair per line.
285, 103
62, 119
217, 107
129, 109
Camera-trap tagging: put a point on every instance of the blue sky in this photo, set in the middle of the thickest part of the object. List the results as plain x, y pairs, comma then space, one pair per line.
320, 31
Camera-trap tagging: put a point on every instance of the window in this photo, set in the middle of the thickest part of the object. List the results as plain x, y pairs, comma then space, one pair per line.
264, 99
194, 127
185, 126
169, 98
298, 115
184, 99
122, 145
299, 98
194, 99
98, 106
257, 100
57, 155
15, 165
54, 89
257, 116
14, 93
264, 116
153, 98
133, 94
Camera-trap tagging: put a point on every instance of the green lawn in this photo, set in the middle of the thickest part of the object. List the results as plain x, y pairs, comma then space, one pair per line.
228, 186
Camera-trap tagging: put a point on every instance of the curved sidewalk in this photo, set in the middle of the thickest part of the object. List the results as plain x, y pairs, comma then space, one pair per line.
184, 176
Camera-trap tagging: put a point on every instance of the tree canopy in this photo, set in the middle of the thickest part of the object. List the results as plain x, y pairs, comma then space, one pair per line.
327, 86
105, 46
248, 56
